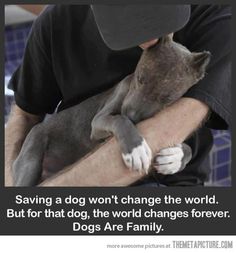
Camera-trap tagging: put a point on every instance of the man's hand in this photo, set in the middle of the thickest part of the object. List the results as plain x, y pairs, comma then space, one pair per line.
18, 126
168, 128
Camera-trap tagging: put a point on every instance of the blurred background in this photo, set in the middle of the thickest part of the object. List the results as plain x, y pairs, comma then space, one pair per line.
18, 22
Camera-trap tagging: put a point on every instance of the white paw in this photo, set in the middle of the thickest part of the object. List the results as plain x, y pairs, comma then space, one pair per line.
140, 158
169, 160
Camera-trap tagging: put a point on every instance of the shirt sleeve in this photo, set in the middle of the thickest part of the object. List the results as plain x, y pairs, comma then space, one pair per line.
210, 29
34, 83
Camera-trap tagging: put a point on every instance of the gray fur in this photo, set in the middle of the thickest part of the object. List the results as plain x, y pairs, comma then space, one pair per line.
164, 73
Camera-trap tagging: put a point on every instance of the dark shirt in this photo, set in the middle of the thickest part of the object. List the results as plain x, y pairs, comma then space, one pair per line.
66, 62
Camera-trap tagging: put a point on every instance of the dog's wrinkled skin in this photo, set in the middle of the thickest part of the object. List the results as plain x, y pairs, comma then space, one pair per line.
164, 73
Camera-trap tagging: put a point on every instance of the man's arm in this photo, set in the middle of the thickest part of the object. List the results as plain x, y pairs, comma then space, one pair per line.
18, 126
169, 127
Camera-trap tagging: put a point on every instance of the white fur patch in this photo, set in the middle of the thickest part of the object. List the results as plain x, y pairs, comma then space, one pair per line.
170, 168
168, 160
171, 151
140, 158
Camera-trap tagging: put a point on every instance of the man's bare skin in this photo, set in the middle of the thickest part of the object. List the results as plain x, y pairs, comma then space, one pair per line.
18, 126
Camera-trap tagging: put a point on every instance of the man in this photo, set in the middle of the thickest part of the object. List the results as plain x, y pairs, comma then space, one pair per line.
74, 52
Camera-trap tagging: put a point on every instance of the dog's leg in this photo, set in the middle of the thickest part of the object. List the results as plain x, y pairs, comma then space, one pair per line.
172, 160
27, 168
135, 152
112, 106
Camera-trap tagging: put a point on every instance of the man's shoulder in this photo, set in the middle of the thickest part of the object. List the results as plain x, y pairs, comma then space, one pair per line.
57, 20
61, 15
210, 13
68, 11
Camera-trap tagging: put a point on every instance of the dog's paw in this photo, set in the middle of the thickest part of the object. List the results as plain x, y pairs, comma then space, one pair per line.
139, 159
169, 160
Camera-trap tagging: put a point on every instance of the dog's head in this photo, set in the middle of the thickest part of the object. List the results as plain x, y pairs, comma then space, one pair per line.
163, 74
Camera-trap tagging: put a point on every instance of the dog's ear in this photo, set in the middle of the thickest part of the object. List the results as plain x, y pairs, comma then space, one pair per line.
200, 62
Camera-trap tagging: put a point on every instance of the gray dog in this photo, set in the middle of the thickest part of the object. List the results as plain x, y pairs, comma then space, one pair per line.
163, 74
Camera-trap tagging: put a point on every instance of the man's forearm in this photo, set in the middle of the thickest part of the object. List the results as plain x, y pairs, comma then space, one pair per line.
176, 123
18, 126
104, 167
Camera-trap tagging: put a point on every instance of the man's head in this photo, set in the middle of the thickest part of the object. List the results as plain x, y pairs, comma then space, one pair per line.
126, 26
